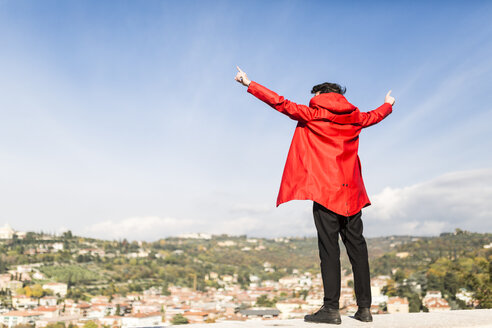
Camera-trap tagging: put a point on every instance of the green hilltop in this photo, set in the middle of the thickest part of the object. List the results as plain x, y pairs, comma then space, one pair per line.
449, 262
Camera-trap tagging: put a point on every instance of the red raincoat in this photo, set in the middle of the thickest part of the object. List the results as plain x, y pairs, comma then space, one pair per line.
322, 164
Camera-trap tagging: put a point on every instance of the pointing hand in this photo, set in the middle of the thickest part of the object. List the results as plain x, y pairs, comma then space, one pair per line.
388, 99
241, 77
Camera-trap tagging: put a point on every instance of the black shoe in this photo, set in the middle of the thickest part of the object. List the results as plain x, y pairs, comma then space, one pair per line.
363, 314
325, 315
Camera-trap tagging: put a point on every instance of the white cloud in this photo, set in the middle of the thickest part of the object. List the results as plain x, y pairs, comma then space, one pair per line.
454, 200
241, 219
139, 228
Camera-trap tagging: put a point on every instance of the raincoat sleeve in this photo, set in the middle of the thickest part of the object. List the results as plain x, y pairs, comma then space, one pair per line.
294, 111
375, 116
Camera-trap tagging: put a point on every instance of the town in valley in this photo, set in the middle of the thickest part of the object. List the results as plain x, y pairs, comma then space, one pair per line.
63, 280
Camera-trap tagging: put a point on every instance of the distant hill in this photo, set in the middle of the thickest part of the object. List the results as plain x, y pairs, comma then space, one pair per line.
447, 262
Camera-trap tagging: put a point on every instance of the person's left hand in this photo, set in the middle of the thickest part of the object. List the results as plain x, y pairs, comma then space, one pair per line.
242, 78
389, 99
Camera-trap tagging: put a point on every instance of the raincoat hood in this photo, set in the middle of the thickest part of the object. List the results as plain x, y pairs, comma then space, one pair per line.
333, 102
335, 108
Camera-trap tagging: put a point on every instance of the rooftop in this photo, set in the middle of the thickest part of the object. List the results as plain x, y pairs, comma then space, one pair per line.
447, 319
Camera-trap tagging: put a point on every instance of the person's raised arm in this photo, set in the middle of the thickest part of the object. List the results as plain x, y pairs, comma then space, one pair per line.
377, 115
294, 111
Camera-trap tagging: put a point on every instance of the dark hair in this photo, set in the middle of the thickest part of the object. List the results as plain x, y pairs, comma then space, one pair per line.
329, 87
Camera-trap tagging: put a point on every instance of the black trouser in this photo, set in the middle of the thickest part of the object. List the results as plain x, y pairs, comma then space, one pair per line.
329, 224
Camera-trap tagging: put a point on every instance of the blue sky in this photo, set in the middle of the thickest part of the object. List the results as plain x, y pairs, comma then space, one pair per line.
122, 119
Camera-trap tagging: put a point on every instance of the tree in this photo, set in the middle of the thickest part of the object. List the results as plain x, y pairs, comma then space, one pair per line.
450, 284
399, 276
390, 289
264, 301
37, 291
3, 266
28, 291
483, 291
67, 234
304, 294
414, 303
90, 324
178, 319
433, 282
243, 279
56, 325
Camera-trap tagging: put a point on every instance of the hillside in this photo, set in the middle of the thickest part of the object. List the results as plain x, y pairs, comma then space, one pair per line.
90, 266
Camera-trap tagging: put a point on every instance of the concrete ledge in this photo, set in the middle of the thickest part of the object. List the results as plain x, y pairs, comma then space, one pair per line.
449, 319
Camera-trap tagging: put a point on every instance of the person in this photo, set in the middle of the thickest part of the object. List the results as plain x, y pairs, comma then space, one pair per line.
323, 166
